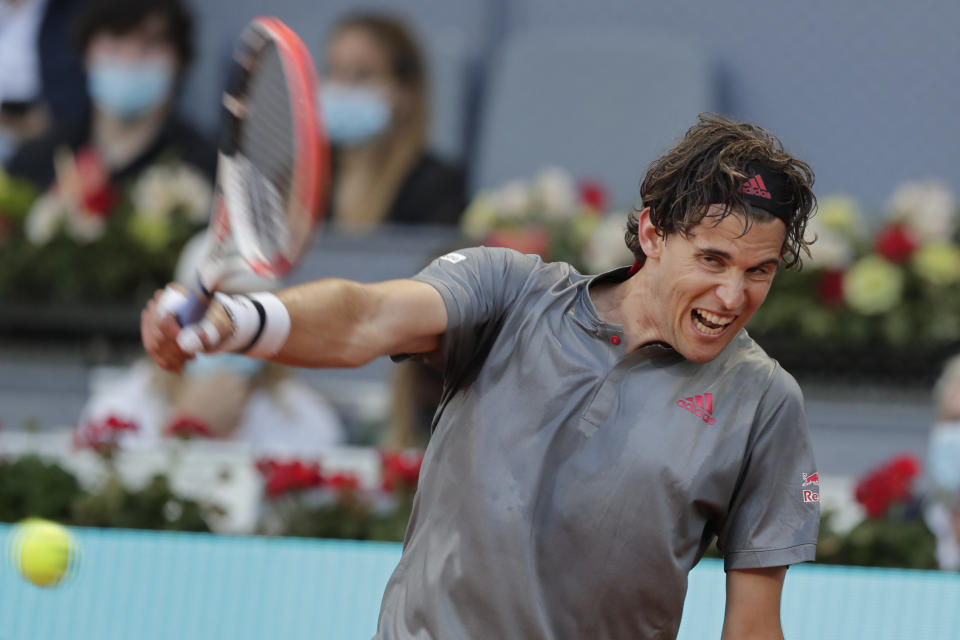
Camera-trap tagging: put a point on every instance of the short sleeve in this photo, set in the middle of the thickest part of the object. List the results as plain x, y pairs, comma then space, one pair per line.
479, 286
774, 516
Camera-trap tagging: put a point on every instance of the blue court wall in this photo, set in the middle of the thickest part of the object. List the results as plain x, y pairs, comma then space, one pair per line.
175, 586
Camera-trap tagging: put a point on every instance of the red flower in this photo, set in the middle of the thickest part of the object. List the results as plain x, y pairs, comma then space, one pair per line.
593, 194
186, 426
534, 240
895, 243
400, 469
888, 484
102, 435
99, 203
86, 182
289, 476
830, 288
342, 482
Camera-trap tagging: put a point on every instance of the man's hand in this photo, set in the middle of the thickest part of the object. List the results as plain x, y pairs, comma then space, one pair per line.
753, 604
169, 344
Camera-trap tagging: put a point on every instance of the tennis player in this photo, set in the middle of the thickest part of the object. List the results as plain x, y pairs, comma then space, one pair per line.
596, 433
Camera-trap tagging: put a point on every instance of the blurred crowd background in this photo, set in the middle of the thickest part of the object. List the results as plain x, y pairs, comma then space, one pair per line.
520, 123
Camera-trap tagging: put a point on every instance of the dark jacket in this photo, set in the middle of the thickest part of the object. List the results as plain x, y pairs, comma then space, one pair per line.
34, 160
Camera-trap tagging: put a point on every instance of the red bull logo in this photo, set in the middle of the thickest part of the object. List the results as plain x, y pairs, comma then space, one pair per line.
813, 478
810, 495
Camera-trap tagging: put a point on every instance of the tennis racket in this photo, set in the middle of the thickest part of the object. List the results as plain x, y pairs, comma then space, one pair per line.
273, 167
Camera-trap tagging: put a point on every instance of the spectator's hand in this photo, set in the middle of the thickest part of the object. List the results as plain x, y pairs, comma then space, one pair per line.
169, 344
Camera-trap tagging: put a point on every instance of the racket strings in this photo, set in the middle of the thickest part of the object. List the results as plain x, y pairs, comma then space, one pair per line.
260, 185
267, 135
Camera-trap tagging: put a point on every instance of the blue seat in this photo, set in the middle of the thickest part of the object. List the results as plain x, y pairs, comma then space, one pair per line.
600, 103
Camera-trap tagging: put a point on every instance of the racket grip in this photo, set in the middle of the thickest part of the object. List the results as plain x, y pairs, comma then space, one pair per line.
194, 308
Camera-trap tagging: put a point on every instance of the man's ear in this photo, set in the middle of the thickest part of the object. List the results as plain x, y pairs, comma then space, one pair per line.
651, 241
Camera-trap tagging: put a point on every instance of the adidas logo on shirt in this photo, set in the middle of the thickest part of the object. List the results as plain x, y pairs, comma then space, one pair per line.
700, 405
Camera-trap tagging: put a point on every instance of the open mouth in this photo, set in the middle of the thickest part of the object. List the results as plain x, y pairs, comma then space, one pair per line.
710, 323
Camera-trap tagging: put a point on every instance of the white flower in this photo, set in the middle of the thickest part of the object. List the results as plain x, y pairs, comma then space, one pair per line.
44, 218
873, 285
606, 248
480, 216
84, 227
556, 193
830, 249
938, 263
154, 195
840, 213
513, 200
193, 193
927, 208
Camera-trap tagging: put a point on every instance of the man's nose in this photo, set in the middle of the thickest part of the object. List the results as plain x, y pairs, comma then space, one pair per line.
731, 293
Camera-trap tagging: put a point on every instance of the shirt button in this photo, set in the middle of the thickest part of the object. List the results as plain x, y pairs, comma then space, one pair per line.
615, 339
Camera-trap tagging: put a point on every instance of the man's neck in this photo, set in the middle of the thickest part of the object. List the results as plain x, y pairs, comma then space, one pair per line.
630, 304
120, 142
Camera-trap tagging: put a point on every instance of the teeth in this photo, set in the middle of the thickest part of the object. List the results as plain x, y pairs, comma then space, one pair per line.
705, 329
699, 315
714, 318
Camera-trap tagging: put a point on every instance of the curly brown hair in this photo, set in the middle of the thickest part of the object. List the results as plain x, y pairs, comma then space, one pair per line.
708, 166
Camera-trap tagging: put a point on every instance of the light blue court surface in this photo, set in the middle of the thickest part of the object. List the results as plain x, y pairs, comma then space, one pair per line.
139, 585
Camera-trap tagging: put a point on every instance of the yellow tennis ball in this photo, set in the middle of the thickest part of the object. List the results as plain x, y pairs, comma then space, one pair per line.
42, 551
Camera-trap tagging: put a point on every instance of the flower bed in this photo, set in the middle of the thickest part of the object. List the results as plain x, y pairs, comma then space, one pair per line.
883, 306
87, 240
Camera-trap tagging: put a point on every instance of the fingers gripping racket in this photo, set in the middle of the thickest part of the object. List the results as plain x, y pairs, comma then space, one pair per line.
273, 166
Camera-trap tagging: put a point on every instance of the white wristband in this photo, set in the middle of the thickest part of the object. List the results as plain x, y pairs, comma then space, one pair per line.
261, 324
246, 319
276, 326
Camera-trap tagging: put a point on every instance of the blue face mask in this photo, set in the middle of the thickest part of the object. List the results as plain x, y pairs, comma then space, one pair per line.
129, 90
208, 364
353, 115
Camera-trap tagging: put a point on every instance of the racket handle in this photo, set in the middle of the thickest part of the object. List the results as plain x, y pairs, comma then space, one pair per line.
192, 311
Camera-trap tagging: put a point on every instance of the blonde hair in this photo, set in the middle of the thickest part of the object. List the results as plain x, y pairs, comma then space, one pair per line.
406, 141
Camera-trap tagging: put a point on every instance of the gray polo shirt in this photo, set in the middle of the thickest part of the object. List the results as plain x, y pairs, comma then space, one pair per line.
570, 486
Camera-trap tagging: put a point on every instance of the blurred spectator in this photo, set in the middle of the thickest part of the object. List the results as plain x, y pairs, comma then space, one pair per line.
375, 105
40, 72
225, 396
943, 468
136, 55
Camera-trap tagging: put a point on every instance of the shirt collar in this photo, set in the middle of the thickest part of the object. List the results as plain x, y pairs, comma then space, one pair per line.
586, 315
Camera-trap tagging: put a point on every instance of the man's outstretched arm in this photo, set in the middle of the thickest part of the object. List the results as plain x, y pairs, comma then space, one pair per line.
333, 323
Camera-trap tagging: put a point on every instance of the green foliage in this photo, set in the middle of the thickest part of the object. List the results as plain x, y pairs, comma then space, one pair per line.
134, 253
31, 487
893, 541
16, 196
346, 514
112, 268
155, 506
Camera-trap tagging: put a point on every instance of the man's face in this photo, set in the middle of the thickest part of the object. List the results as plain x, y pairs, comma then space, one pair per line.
708, 284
